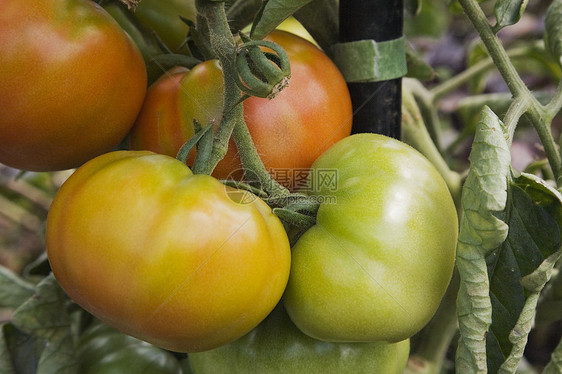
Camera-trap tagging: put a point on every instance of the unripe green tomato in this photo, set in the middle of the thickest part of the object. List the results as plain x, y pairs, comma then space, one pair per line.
163, 16
380, 257
104, 350
277, 346
178, 260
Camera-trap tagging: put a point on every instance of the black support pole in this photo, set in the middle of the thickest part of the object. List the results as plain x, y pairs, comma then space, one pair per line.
377, 105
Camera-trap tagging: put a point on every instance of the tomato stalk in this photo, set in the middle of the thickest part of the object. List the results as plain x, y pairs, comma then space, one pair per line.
539, 115
415, 133
211, 22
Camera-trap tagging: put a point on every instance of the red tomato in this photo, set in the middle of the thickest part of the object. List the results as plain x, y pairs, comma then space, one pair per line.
289, 131
71, 83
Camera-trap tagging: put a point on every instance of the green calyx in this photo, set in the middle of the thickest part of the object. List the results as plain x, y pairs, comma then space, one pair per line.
262, 73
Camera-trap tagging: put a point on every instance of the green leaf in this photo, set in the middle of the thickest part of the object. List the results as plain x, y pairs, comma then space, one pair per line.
19, 352
555, 364
432, 20
481, 232
550, 307
533, 283
542, 193
553, 32
272, 13
508, 12
534, 235
13, 289
417, 67
44, 316
186, 148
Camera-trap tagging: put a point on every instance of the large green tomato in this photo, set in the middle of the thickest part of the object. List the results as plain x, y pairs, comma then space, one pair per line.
380, 257
104, 350
277, 346
175, 259
71, 83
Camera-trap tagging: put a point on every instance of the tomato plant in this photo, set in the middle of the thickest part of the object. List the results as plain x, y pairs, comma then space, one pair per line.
176, 259
367, 263
278, 346
72, 83
380, 257
104, 350
289, 131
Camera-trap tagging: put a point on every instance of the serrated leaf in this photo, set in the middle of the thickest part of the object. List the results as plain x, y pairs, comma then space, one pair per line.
272, 14
44, 316
481, 232
508, 12
14, 291
534, 235
553, 30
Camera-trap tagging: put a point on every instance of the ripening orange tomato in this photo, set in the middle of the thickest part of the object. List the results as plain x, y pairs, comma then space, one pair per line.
290, 131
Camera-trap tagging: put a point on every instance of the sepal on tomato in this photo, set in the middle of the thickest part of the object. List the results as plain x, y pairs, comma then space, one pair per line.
262, 73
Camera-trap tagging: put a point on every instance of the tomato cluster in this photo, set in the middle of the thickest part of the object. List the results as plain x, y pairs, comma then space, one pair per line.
189, 264
289, 132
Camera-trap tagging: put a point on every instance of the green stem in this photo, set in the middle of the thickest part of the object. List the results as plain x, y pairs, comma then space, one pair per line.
426, 101
414, 133
212, 15
222, 41
252, 161
514, 82
453, 83
555, 104
517, 109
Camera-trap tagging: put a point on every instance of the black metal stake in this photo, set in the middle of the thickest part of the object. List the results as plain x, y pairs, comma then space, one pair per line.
377, 105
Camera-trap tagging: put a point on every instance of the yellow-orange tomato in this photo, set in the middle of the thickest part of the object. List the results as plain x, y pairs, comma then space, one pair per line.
175, 259
71, 83
289, 131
